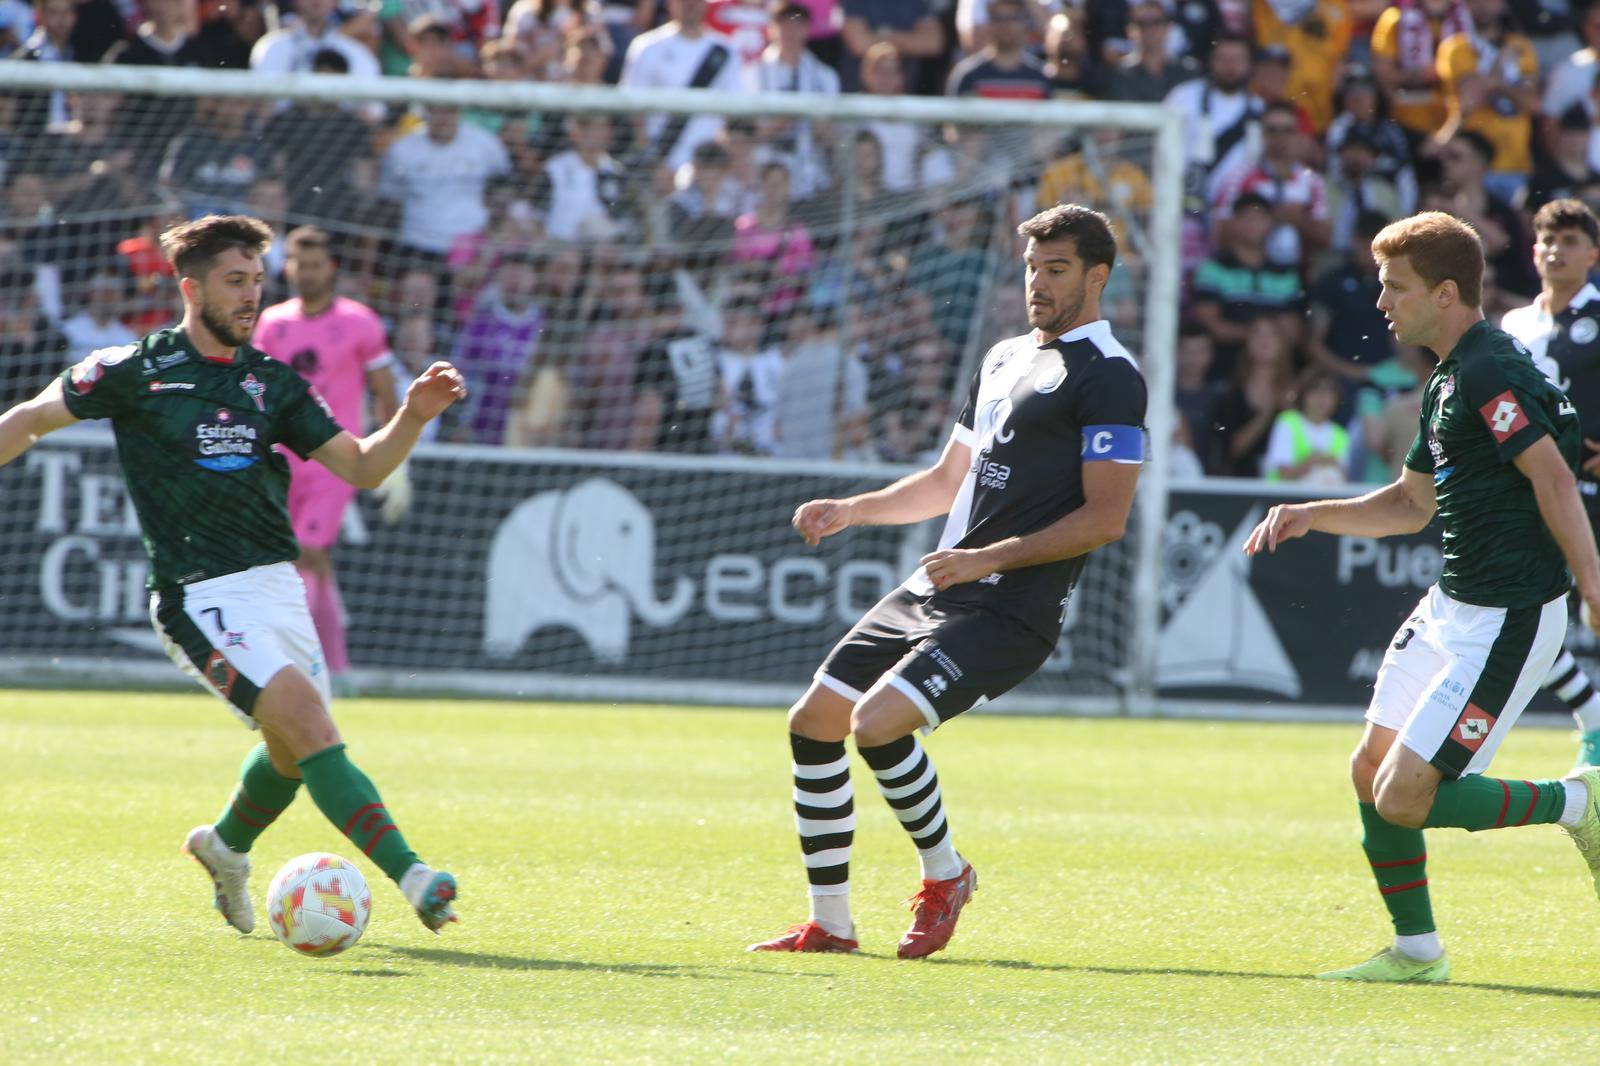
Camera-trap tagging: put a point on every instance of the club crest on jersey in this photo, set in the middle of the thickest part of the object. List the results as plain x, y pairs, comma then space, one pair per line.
1050, 381
1584, 331
255, 390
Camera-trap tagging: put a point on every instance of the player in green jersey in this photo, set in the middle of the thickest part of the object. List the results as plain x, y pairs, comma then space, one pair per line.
1494, 457
196, 411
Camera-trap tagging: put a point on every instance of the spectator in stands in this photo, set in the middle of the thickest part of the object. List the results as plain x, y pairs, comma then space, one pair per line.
1263, 386
87, 160
1465, 192
31, 353
910, 26
1067, 62
539, 29
1315, 36
437, 175
676, 385
1490, 79
583, 193
749, 371
952, 266
1298, 195
16, 26
495, 347
914, 420
473, 257
1405, 41
1359, 112
1568, 171
1388, 432
168, 38
775, 250
1355, 186
101, 24
682, 54
1306, 444
1571, 81
156, 298
902, 143
1196, 395
212, 166
1148, 73
821, 407
585, 58
1220, 121
232, 30
293, 48
433, 51
698, 214
788, 66
1002, 69
321, 147
50, 42
1100, 175
101, 298
602, 377
1239, 285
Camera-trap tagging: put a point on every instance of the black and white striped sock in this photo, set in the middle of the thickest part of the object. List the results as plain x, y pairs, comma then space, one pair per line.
1573, 687
825, 817
908, 781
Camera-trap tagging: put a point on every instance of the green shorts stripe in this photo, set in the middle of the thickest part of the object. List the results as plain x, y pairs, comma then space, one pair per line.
212, 665
1508, 657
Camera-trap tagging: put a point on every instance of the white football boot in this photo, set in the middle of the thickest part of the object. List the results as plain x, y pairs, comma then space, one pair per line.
230, 875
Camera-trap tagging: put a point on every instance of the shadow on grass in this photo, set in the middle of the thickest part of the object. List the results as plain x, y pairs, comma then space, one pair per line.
514, 962
1162, 971
378, 973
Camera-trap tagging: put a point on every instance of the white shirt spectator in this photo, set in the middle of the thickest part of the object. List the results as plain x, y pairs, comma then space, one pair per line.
440, 186
291, 50
577, 209
664, 58
1210, 115
1569, 83
748, 420
821, 387
808, 170
85, 335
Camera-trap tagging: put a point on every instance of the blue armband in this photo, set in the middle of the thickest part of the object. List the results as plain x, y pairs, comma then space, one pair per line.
1117, 444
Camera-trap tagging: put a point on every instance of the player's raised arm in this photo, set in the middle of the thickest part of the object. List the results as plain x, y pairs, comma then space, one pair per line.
365, 461
1402, 506
914, 498
23, 425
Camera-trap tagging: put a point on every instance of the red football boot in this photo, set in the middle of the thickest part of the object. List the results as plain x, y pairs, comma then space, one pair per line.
808, 936
934, 911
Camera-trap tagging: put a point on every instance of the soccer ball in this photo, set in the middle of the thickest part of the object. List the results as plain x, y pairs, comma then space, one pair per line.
319, 904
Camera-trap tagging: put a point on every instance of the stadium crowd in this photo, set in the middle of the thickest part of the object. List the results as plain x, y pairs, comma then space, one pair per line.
802, 288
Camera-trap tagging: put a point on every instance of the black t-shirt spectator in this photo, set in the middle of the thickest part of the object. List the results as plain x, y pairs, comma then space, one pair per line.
898, 15
1129, 80
1357, 330
1550, 182
1199, 409
682, 368
315, 147
99, 26
29, 360
982, 77
1513, 266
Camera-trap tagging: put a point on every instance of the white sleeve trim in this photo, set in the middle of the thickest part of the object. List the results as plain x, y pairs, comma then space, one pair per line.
911, 693
962, 435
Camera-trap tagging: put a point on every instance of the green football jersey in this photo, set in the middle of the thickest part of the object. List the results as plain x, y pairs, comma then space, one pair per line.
1483, 406
194, 439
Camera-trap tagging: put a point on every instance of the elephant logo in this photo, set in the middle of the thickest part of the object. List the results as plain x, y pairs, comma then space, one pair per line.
581, 558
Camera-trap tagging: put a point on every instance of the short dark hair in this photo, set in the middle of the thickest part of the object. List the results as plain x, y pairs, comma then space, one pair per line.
1246, 201
303, 237
1089, 229
191, 247
1371, 223
1482, 146
329, 61
429, 26
1567, 214
1189, 329
789, 9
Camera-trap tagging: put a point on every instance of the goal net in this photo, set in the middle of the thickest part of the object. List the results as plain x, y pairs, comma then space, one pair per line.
681, 314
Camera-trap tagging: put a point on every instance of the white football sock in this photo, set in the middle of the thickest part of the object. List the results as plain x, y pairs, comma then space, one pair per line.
940, 862
1577, 801
832, 912
1423, 947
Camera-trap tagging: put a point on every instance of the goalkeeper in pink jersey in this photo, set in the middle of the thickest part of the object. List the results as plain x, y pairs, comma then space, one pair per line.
340, 347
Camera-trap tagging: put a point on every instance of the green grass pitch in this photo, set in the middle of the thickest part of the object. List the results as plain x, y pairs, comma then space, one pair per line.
1149, 892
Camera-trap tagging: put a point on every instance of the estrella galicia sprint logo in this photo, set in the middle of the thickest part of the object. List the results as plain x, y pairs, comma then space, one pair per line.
225, 443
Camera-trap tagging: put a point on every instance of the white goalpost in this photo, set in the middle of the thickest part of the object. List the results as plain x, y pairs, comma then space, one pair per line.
894, 266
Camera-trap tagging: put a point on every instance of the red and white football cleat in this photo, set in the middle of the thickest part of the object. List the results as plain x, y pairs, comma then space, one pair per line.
934, 911
808, 936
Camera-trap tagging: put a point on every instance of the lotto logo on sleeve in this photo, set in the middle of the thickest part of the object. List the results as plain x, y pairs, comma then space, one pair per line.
1504, 416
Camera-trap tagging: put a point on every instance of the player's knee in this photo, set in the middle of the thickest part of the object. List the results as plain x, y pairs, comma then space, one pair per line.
1399, 807
872, 726
820, 719
1363, 773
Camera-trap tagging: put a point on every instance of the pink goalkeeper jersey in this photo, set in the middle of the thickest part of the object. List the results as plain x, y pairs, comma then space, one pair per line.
333, 351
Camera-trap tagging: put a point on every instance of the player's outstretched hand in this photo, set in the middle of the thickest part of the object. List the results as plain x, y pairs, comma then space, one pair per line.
816, 519
435, 389
956, 566
1285, 521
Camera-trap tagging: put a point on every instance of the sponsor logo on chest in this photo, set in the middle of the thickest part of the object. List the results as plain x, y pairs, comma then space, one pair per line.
225, 442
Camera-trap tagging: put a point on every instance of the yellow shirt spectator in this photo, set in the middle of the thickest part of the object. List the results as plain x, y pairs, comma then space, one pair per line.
1417, 109
1317, 44
1504, 122
1125, 192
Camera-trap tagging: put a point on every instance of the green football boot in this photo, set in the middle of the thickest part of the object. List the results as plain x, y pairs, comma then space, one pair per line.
1586, 834
1392, 966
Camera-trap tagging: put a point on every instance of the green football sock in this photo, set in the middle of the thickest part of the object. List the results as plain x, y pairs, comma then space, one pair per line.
1476, 803
1399, 861
351, 802
262, 795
